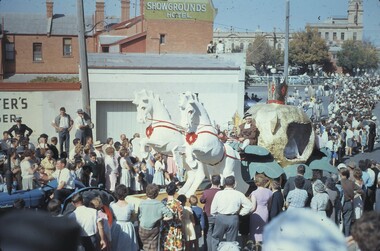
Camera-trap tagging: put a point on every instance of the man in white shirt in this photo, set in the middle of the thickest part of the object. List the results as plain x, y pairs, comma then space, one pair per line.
88, 219
226, 207
66, 183
220, 47
63, 125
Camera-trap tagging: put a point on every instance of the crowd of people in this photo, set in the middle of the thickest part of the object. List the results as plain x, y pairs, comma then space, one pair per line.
348, 127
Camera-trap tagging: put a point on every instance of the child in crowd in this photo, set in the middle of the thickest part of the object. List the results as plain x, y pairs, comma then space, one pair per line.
138, 177
159, 167
199, 219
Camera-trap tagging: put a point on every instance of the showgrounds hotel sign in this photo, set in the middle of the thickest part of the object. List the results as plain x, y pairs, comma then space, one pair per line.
202, 10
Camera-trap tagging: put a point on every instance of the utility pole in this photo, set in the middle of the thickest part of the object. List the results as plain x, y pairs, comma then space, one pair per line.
286, 52
83, 58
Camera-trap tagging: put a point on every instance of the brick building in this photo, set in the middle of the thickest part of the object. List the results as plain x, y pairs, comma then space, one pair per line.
47, 43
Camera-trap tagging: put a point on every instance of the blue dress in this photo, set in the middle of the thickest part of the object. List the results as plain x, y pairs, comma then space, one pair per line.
122, 231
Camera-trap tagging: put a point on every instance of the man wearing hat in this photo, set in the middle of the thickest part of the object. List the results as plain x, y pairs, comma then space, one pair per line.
249, 133
81, 126
20, 129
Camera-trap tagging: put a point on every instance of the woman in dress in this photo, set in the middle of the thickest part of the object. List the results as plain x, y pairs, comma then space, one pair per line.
111, 166
259, 217
171, 230
126, 166
321, 200
123, 232
28, 168
159, 166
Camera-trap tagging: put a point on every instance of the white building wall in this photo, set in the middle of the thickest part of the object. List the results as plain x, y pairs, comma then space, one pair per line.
221, 91
37, 109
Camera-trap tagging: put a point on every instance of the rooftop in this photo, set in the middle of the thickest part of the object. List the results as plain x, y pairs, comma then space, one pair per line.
165, 61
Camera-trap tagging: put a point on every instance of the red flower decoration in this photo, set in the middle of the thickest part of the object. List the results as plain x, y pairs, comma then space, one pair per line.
149, 131
191, 137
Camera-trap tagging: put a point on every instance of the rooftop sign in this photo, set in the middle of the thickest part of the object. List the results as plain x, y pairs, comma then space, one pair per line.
179, 9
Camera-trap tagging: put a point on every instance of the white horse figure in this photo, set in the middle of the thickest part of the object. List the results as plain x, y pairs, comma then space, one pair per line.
204, 150
162, 135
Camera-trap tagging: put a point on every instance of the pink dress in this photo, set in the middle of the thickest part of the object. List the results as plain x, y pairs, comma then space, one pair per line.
259, 218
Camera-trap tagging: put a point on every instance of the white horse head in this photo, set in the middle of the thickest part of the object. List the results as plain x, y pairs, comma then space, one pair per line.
144, 105
193, 113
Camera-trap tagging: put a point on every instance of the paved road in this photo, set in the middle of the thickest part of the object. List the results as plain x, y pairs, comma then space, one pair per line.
262, 92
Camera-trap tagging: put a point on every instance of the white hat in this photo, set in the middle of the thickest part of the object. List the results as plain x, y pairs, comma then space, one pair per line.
98, 144
374, 118
300, 230
341, 165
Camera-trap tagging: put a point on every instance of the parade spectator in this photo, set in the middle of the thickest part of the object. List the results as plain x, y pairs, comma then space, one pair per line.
199, 218
159, 167
126, 169
111, 168
320, 202
188, 226
20, 129
91, 225
261, 197
65, 180
349, 188
220, 47
48, 163
63, 125
28, 168
366, 231
206, 199
226, 214
80, 126
334, 196
150, 213
277, 201
297, 198
171, 231
123, 233
290, 185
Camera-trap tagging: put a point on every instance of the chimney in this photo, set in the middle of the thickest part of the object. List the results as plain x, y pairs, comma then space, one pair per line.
125, 10
99, 15
49, 8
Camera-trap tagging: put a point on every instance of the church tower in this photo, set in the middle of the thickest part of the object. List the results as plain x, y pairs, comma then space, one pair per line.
355, 12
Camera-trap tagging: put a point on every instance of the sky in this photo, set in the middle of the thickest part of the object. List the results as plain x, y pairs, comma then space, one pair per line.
239, 15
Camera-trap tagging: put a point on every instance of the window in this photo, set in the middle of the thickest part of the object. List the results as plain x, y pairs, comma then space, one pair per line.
279, 46
326, 35
37, 52
232, 46
241, 46
334, 36
162, 38
67, 47
320, 34
105, 49
342, 36
10, 51
355, 36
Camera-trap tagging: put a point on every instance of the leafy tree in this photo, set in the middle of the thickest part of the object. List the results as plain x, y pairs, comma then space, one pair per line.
357, 54
262, 54
308, 48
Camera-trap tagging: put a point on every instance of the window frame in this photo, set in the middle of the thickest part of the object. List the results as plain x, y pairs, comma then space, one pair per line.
162, 39
36, 54
64, 45
10, 54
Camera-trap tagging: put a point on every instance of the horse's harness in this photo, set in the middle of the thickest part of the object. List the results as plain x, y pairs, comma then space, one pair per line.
166, 124
192, 137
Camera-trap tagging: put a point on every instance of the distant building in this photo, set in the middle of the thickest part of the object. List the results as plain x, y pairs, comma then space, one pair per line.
241, 41
336, 30
47, 43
